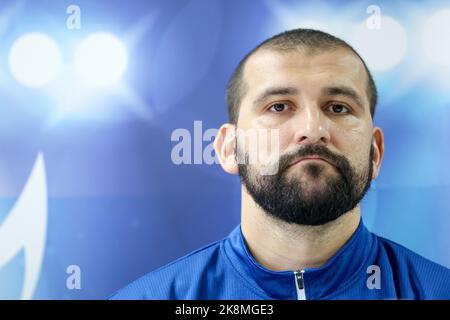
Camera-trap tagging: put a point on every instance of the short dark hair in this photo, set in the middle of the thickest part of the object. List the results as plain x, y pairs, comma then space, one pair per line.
313, 41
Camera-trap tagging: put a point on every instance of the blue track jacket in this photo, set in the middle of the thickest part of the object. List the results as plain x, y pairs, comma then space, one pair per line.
366, 267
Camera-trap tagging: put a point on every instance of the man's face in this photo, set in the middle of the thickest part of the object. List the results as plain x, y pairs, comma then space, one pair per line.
318, 105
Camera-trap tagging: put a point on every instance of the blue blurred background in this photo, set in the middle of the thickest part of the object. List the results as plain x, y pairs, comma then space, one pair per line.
118, 207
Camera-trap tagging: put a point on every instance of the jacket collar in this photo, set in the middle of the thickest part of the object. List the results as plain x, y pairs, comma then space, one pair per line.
343, 268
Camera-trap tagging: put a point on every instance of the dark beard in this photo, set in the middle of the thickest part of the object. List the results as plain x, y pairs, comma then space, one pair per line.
289, 200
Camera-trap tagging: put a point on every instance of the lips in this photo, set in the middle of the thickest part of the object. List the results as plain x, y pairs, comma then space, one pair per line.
310, 158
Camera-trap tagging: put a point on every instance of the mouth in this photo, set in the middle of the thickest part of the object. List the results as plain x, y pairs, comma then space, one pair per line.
310, 158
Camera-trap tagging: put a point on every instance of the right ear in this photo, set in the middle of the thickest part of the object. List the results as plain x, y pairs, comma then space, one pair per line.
225, 147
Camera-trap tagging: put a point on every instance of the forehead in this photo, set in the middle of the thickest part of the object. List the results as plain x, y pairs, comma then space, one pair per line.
306, 71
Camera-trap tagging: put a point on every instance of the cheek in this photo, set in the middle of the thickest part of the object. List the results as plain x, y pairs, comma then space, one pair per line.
354, 143
344, 139
285, 138
262, 145
267, 138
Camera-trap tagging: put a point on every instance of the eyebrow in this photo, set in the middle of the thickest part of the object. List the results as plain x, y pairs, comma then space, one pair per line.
346, 92
274, 91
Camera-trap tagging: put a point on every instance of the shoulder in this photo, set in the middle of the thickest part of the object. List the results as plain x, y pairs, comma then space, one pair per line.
178, 276
429, 280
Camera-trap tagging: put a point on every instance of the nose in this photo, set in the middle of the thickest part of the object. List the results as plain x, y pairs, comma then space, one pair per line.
312, 127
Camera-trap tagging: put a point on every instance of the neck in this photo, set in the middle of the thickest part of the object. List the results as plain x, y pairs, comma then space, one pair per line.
278, 245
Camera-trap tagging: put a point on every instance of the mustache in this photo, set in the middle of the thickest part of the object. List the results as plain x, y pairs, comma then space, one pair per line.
339, 161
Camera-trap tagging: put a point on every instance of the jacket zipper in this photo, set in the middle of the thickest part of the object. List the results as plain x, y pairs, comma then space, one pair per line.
300, 284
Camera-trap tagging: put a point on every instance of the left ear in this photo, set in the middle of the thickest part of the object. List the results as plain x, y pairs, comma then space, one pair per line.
378, 150
225, 147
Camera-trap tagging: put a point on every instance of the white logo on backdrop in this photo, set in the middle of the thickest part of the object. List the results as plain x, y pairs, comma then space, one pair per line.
26, 227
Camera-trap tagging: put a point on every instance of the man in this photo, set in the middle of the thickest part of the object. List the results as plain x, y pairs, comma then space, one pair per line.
301, 235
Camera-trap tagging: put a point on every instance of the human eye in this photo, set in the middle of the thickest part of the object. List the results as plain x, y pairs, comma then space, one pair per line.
278, 107
338, 108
